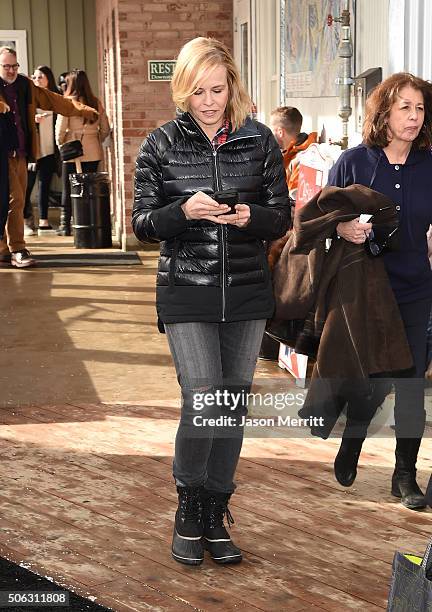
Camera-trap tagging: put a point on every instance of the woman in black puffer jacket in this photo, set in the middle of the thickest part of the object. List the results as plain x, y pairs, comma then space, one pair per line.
214, 290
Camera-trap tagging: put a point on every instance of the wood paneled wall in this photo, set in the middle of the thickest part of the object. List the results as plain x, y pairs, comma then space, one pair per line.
60, 33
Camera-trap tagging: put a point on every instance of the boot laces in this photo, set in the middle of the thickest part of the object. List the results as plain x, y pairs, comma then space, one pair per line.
190, 506
217, 512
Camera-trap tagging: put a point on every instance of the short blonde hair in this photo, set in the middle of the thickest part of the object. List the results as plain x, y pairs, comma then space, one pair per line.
199, 57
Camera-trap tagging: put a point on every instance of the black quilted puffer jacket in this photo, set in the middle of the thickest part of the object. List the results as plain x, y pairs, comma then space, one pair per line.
210, 272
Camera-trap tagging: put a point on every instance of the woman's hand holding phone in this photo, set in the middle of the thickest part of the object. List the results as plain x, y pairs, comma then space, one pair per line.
201, 206
238, 214
240, 217
222, 208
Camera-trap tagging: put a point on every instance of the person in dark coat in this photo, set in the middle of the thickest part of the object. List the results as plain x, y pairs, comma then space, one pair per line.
395, 159
214, 291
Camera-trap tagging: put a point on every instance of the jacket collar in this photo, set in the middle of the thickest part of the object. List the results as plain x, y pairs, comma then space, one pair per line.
248, 129
415, 155
188, 123
19, 81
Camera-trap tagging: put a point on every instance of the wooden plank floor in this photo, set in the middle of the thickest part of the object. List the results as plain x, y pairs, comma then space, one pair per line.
87, 497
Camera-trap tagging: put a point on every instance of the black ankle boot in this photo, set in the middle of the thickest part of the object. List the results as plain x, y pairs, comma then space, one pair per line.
404, 484
187, 547
216, 538
345, 463
64, 230
65, 223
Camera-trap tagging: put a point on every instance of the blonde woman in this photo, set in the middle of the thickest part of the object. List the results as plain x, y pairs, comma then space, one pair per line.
91, 134
214, 292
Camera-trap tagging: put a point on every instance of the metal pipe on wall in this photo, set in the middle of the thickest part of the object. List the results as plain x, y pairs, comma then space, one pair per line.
344, 79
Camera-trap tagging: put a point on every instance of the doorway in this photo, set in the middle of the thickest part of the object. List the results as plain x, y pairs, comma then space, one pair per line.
243, 41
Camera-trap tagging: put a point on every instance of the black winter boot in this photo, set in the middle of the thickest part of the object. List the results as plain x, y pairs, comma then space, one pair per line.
404, 485
345, 463
361, 409
187, 547
216, 538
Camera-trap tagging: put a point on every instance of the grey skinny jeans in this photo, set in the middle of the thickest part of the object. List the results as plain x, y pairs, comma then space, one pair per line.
216, 359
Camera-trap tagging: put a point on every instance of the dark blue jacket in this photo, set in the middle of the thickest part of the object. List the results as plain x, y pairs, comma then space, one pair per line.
409, 186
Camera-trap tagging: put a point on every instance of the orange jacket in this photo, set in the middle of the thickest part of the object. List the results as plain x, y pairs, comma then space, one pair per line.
295, 147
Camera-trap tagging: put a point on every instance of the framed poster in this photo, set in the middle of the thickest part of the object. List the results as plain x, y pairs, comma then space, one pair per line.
309, 47
17, 39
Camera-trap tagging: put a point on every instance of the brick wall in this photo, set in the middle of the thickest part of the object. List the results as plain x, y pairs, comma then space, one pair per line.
130, 32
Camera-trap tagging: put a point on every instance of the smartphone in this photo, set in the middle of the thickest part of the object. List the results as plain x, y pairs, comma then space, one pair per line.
364, 218
229, 197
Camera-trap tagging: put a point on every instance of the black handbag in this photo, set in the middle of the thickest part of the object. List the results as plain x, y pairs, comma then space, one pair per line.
71, 150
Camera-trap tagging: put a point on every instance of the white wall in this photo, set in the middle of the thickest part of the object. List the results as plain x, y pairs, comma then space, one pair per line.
267, 53
410, 40
392, 34
372, 35
371, 51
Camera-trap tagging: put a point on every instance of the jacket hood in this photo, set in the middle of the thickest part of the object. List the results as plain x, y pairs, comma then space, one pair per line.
301, 138
301, 144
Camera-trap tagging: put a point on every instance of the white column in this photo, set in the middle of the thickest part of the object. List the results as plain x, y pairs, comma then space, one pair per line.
396, 38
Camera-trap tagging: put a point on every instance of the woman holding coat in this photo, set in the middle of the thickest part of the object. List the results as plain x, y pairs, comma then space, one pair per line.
396, 160
214, 291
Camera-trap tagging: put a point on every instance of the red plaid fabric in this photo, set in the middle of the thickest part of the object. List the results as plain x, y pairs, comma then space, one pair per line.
222, 134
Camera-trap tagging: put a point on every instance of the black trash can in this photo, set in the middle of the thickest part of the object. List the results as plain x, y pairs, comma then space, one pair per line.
90, 194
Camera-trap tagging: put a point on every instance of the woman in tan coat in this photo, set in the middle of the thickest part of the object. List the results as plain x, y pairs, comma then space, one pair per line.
90, 133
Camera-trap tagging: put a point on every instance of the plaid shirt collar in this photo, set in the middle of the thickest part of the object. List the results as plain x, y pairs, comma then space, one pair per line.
222, 134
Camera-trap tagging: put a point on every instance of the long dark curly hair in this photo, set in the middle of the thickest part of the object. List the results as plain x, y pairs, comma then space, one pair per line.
380, 102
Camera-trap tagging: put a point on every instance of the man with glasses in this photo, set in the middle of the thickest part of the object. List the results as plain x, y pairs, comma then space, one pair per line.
23, 97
